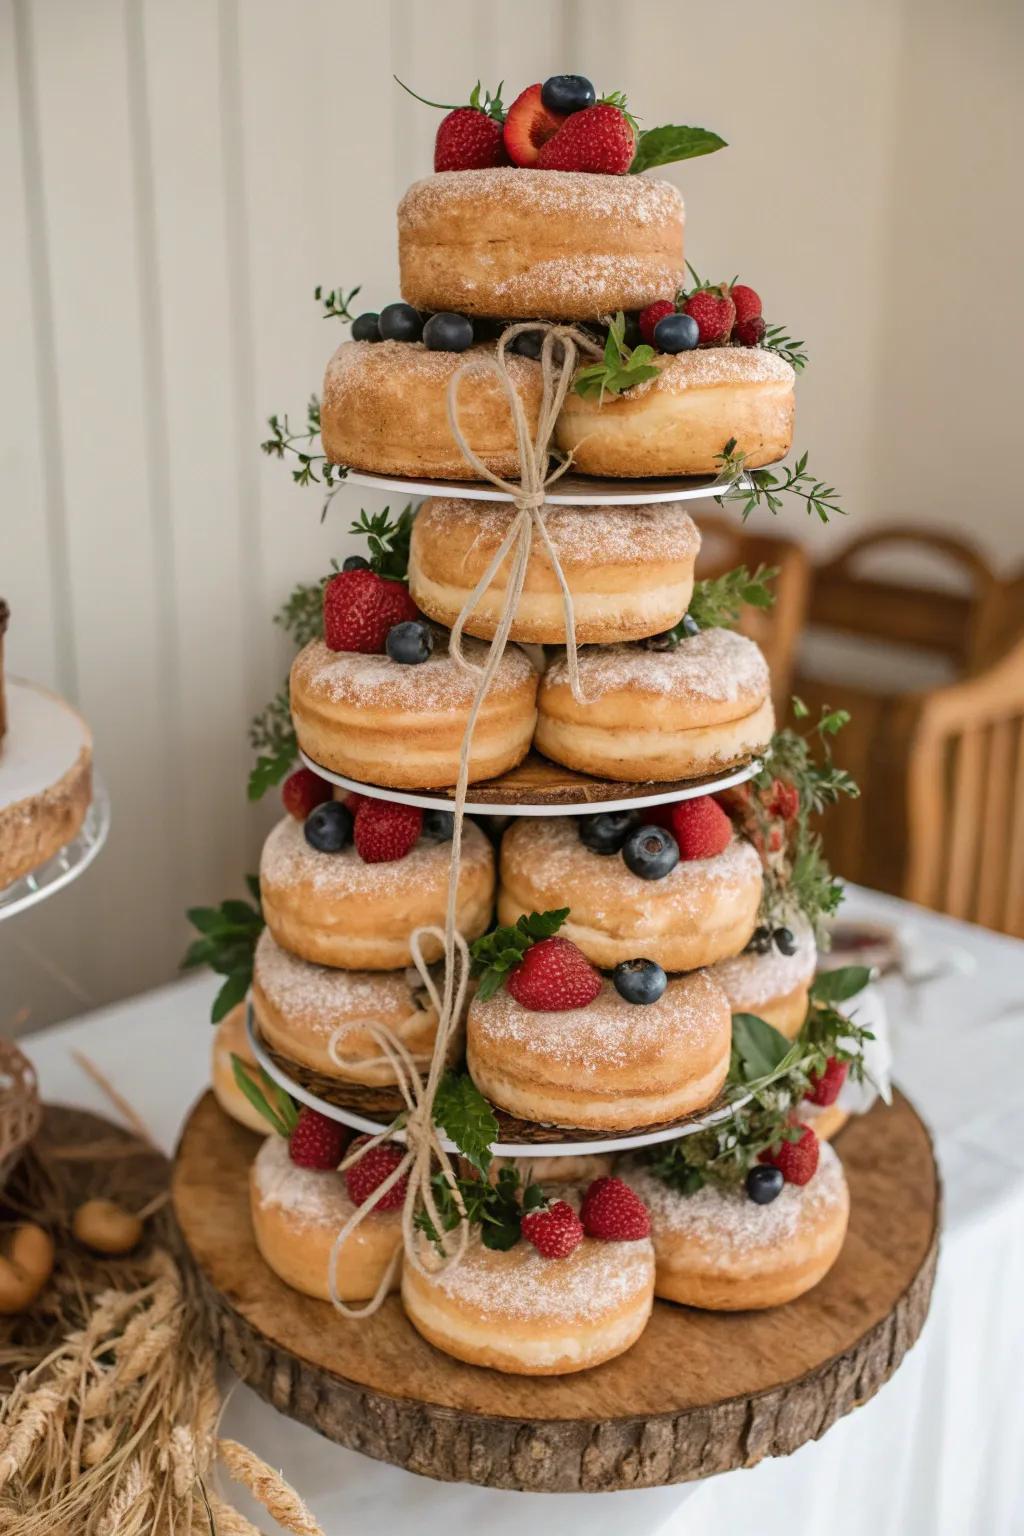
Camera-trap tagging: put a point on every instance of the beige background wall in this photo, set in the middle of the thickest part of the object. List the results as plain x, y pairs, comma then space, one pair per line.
176, 175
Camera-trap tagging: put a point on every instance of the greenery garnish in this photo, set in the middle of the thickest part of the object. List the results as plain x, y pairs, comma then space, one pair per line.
792, 757
283, 440
227, 942
776, 340
272, 734
266, 1097
501, 950
757, 487
465, 1116
621, 368
496, 1208
665, 145
480, 100
335, 302
388, 541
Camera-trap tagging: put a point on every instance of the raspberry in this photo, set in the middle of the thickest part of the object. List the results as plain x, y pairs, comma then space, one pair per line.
783, 800
384, 832
614, 1212
649, 317
554, 976
317, 1142
826, 1088
554, 1231
795, 1160
747, 302
359, 609
749, 333
368, 1172
302, 791
700, 827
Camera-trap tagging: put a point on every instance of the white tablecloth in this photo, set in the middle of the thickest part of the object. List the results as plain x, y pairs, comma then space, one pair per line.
940, 1450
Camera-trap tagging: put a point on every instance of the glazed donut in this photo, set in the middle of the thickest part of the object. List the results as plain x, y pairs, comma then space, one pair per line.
300, 1006
232, 1040
658, 715
825, 1120
548, 245
296, 1215
719, 1250
385, 409
401, 727
333, 909
774, 986
611, 1066
701, 911
518, 1312
629, 569
679, 423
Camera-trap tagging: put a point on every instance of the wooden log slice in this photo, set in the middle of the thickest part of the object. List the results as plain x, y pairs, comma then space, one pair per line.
700, 1393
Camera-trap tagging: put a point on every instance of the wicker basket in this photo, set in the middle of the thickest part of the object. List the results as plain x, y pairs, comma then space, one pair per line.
21, 1113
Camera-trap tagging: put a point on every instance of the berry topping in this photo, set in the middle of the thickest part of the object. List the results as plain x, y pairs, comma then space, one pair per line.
825, 1089
749, 333
554, 977
599, 139
607, 831
784, 940
649, 317
764, 1184
796, 1160
651, 852
747, 302
701, 828
469, 140
528, 126
302, 791
368, 1173
715, 314
527, 344
385, 831
563, 94
614, 1212
448, 332
639, 981
359, 609
317, 1142
760, 941
783, 800
676, 333
355, 563
554, 1230
366, 327
328, 828
410, 642
438, 826
400, 322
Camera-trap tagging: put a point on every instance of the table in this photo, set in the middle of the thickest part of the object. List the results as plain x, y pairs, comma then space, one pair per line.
936, 1453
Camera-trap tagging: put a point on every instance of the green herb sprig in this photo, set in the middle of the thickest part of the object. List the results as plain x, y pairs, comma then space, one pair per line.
283, 440
335, 302
621, 368
497, 1209
388, 541
501, 950
267, 1098
671, 142
227, 943
764, 487
776, 340
480, 99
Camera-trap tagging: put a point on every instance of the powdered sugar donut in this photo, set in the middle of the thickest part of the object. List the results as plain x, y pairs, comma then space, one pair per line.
560, 246
825, 1120
773, 985
701, 911
517, 1312
678, 714
385, 409
720, 1250
300, 1007
629, 569
679, 423
402, 727
296, 1215
333, 909
231, 1040
610, 1066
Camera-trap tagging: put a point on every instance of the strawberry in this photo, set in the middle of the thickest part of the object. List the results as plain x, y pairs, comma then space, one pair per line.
749, 333
384, 831
359, 609
614, 1212
554, 976
796, 1160
317, 1142
554, 1231
826, 1088
468, 140
597, 139
783, 800
368, 1172
649, 317
700, 827
302, 791
747, 302
715, 314
528, 126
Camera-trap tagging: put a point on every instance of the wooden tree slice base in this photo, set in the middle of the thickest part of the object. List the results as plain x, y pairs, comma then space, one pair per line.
700, 1393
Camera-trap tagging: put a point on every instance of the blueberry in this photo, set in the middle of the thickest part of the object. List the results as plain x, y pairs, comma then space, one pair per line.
632, 335
639, 981
764, 1184
527, 343
448, 333
651, 852
760, 941
438, 826
606, 832
365, 327
567, 93
355, 563
785, 941
400, 322
676, 333
409, 642
328, 827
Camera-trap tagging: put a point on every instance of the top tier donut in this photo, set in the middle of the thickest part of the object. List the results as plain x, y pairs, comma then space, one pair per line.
512, 242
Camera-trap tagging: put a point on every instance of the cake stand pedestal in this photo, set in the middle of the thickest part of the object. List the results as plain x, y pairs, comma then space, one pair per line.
699, 1393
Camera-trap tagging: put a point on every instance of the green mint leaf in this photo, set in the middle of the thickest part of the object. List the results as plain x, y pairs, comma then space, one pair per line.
836, 986
665, 145
270, 770
757, 1047
461, 1110
230, 995
257, 1098
542, 925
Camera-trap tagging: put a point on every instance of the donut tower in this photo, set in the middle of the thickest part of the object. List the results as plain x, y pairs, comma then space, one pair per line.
538, 920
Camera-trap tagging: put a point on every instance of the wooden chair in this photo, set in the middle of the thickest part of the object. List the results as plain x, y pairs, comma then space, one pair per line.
727, 543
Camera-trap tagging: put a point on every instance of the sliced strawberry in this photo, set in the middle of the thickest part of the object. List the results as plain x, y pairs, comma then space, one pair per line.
528, 126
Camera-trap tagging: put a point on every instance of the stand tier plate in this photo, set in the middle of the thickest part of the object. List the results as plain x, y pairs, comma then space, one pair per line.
570, 491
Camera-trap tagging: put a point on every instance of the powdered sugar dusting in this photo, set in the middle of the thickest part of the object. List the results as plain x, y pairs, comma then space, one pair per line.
582, 535
288, 860
308, 1194
436, 686
706, 367
628, 200
323, 997
717, 665
358, 365
750, 979
728, 1220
